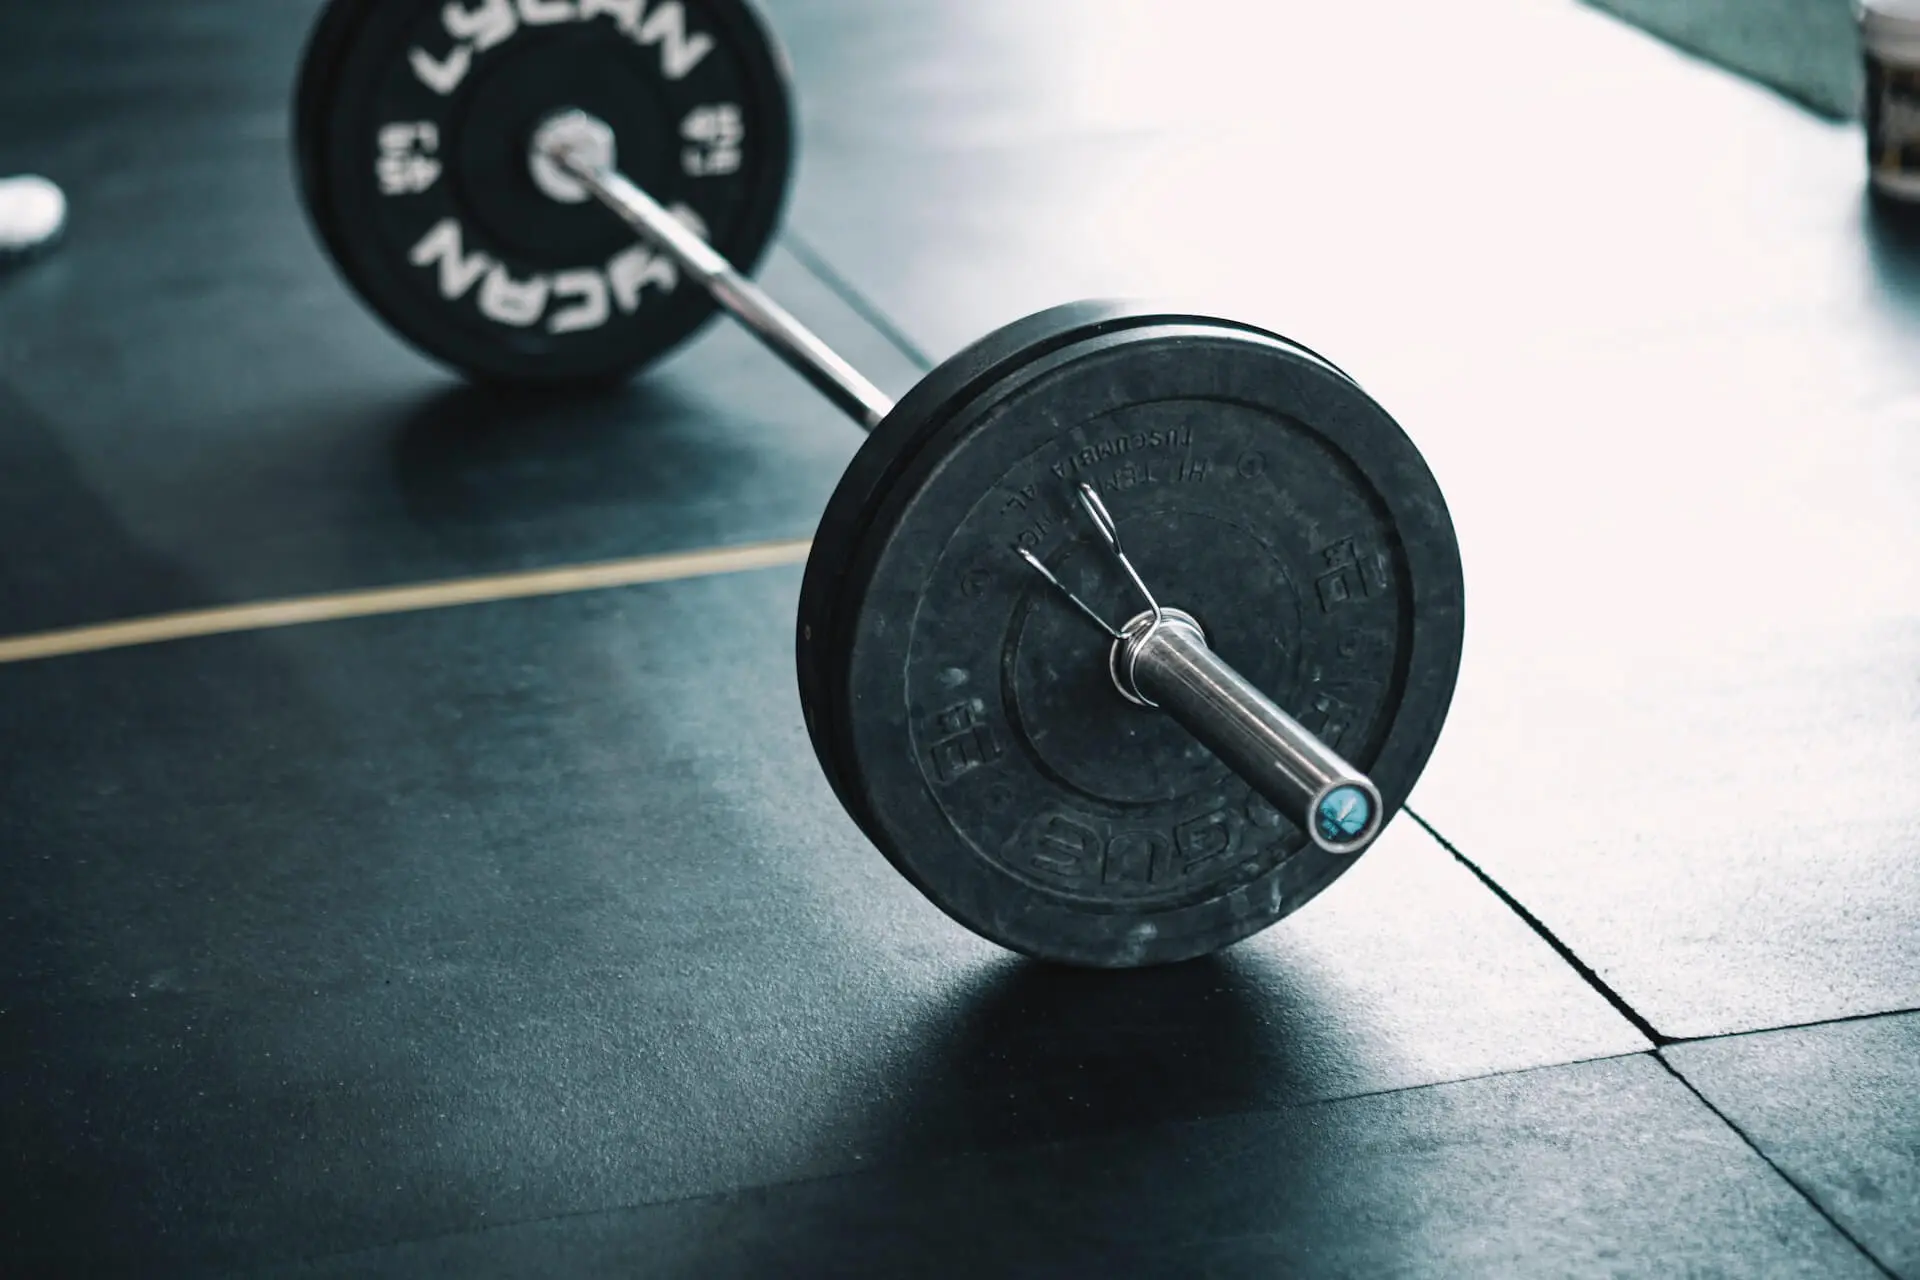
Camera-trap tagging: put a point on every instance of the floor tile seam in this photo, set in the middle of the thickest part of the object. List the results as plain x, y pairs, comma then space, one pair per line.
1567, 954
840, 1175
1497, 1073
1659, 1038
408, 597
840, 286
1812, 1024
1803, 1192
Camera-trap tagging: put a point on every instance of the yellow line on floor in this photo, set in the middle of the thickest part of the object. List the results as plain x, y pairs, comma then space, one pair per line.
380, 600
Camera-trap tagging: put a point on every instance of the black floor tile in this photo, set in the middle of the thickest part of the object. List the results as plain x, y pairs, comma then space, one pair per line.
406, 925
1606, 1169
115, 504
1837, 1109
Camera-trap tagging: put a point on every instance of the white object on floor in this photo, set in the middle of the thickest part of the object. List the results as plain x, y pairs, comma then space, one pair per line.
33, 212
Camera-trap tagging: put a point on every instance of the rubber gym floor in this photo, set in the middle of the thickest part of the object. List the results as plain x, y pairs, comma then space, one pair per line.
522, 936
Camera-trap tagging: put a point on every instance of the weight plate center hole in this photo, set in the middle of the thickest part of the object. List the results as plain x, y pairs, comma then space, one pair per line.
1125, 651
586, 137
1066, 684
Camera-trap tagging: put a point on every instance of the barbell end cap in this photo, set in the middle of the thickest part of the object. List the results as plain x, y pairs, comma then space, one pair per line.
1346, 817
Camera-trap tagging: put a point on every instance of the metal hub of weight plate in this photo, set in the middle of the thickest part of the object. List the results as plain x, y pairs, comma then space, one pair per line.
413, 121
963, 709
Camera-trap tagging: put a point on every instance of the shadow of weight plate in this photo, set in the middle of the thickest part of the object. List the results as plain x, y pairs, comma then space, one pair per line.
962, 707
413, 122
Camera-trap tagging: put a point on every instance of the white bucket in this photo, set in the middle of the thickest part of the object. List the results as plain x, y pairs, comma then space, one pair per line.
1890, 41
